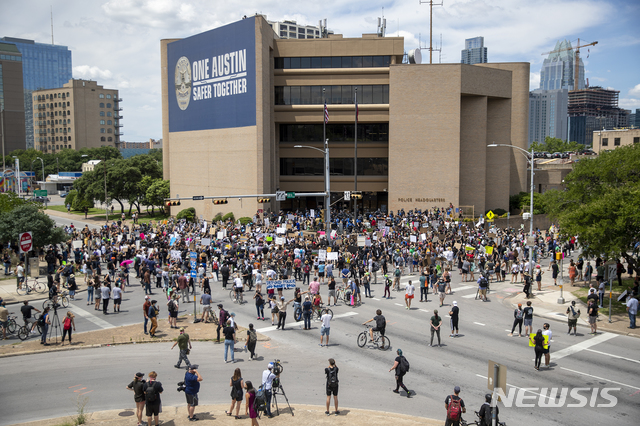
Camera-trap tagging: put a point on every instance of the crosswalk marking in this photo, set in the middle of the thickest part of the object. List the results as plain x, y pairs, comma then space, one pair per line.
301, 323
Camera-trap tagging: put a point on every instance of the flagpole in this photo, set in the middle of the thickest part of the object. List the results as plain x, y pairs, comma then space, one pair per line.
355, 163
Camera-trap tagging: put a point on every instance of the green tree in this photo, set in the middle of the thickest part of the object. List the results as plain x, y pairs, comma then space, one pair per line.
27, 218
10, 200
157, 191
601, 204
552, 145
189, 214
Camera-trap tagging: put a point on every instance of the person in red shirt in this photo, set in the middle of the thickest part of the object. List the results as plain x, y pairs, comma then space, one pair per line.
145, 309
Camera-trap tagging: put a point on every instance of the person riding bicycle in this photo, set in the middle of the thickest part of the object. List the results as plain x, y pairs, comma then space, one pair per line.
238, 287
29, 320
485, 413
317, 303
53, 294
381, 324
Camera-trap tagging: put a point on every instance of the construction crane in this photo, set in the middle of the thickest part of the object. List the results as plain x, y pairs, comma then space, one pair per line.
577, 59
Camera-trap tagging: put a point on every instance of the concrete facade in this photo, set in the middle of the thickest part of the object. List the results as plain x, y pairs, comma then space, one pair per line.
80, 114
606, 140
11, 99
436, 126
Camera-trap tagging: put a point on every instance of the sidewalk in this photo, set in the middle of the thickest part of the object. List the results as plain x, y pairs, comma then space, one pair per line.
545, 304
11, 297
214, 414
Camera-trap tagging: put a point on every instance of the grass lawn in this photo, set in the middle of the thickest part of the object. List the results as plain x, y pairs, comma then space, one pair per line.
618, 308
92, 211
144, 217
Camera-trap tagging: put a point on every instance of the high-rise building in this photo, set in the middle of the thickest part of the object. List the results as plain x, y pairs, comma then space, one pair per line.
11, 99
558, 69
80, 114
44, 66
548, 114
593, 109
291, 29
474, 51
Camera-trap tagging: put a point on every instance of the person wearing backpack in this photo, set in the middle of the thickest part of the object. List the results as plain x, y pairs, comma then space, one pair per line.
172, 307
332, 385
69, 323
518, 315
401, 365
152, 390
252, 339
222, 320
44, 323
455, 407
573, 314
486, 412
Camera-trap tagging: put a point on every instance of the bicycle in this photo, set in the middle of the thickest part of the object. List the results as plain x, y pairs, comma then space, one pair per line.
29, 286
340, 293
319, 311
62, 299
463, 422
380, 342
12, 324
234, 299
25, 330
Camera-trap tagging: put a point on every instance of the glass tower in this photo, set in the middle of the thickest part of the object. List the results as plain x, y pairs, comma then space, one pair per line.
558, 69
44, 66
474, 51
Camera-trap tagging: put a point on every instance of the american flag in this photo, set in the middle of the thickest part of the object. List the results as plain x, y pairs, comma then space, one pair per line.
326, 113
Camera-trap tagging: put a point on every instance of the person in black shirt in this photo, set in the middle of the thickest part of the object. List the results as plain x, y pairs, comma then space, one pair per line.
381, 324
137, 386
486, 412
26, 309
229, 340
332, 385
454, 319
152, 398
400, 373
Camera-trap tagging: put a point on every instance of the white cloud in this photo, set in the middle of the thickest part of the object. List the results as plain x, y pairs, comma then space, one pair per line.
635, 92
534, 80
87, 72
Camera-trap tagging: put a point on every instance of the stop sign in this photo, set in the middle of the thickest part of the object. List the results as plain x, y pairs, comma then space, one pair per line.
25, 241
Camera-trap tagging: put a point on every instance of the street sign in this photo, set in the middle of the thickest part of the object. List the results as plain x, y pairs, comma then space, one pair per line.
281, 195
25, 241
198, 197
40, 193
347, 195
500, 381
490, 215
291, 195
193, 264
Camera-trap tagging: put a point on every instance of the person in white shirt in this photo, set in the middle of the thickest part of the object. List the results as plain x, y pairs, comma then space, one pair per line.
116, 295
325, 328
547, 332
409, 294
238, 287
267, 383
258, 278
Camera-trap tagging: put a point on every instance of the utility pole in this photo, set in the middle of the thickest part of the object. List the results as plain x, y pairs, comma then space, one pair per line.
431, 4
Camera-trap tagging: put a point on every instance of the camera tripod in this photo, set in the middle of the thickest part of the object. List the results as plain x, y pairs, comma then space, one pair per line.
279, 390
55, 322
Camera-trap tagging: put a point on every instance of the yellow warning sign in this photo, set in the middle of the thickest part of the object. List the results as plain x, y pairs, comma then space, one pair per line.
490, 215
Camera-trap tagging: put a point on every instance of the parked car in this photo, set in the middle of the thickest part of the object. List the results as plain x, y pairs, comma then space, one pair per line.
64, 194
40, 199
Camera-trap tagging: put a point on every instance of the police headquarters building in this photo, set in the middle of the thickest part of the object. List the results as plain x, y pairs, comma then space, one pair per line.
236, 100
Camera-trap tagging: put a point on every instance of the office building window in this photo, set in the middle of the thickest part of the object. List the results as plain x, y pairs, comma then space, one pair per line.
636, 140
367, 132
102, 138
109, 122
108, 96
616, 141
108, 105
333, 62
101, 96
102, 130
101, 105
312, 95
337, 166
108, 113
101, 113
109, 130
102, 122
605, 141
109, 139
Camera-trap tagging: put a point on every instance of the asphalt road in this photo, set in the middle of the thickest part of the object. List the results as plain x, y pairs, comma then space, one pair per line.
604, 361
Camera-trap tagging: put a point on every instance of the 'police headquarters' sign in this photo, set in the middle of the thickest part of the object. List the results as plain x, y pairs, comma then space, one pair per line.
212, 79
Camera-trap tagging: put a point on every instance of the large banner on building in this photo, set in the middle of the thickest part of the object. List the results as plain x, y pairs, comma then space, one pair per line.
212, 79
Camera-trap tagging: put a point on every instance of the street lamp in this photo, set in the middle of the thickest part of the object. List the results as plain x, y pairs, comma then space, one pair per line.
18, 175
38, 158
106, 205
327, 186
531, 165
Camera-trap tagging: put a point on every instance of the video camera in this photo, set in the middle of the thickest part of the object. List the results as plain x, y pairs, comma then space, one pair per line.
277, 367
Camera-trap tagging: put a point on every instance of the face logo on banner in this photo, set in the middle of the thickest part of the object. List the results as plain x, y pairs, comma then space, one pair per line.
183, 82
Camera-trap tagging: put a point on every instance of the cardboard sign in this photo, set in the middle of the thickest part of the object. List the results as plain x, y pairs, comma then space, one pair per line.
280, 241
78, 244
220, 235
205, 241
332, 256
175, 254
413, 239
322, 255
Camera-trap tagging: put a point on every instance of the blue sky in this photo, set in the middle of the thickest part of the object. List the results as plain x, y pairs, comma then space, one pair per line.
117, 42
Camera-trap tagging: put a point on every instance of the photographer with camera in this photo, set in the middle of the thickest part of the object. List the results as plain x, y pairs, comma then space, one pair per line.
267, 383
192, 379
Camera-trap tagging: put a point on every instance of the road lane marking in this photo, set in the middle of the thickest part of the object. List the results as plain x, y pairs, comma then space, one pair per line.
578, 347
91, 317
375, 299
479, 323
613, 356
517, 387
423, 310
600, 378
464, 287
301, 323
399, 304
469, 296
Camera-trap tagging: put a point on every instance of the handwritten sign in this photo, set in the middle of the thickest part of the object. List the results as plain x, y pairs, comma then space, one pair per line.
283, 284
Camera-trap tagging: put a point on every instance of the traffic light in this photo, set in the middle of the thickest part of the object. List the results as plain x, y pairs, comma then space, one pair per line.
356, 194
173, 203
264, 200
220, 201
322, 215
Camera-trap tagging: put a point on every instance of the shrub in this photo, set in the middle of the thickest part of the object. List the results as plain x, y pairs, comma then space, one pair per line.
499, 212
245, 220
188, 214
228, 216
218, 217
79, 203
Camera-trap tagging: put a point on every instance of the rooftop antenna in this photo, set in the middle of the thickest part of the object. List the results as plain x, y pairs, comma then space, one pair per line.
52, 25
382, 25
431, 4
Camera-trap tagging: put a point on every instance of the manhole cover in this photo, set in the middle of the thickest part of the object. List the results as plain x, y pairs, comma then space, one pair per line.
126, 413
